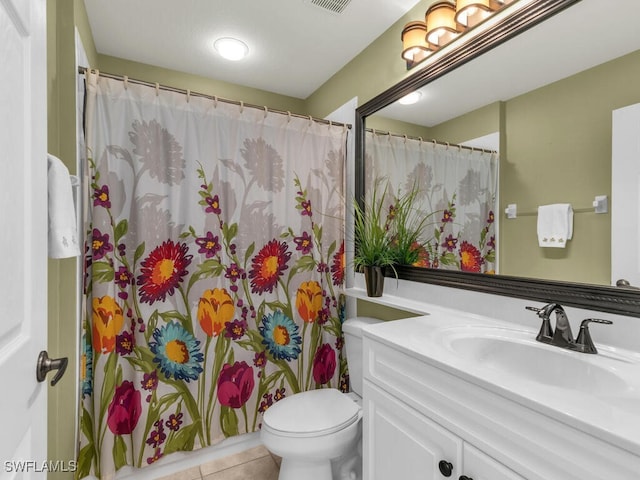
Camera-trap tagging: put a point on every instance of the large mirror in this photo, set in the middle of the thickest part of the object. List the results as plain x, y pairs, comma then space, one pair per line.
540, 86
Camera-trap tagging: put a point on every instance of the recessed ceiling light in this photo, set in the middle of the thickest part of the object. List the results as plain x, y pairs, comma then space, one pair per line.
411, 98
231, 48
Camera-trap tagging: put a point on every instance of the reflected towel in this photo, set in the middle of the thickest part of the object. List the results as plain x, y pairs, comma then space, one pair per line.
63, 230
555, 225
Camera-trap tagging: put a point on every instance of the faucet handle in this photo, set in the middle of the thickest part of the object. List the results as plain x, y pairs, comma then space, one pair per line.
584, 343
545, 329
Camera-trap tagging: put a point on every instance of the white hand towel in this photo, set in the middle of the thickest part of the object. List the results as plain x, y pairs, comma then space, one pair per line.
555, 225
63, 232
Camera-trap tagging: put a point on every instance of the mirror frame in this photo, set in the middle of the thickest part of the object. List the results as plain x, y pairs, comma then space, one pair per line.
593, 297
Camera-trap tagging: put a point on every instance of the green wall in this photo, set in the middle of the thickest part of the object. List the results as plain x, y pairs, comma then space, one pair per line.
63, 16
199, 84
558, 150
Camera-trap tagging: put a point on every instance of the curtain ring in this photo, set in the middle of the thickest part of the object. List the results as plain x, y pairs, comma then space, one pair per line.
288, 116
126, 82
310, 120
266, 111
435, 144
157, 89
447, 145
241, 106
405, 138
188, 95
330, 124
215, 101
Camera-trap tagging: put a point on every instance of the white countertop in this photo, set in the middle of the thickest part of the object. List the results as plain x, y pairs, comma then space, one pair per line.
613, 416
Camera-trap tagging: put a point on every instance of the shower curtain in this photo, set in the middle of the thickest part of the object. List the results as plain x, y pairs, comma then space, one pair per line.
457, 191
214, 270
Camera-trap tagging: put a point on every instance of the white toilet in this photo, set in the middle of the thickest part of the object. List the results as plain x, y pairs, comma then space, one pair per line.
320, 431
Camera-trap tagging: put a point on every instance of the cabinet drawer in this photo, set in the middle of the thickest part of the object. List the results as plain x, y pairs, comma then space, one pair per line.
479, 466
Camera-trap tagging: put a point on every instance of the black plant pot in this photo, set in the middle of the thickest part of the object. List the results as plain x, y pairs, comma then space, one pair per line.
374, 279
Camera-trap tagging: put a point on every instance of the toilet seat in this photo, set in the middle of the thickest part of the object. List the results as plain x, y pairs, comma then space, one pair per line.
312, 413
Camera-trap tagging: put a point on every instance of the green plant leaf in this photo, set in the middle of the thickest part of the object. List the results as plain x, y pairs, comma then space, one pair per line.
228, 421
102, 272
449, 258
183, 440
86, 458
121, 230
119, 452
139, 252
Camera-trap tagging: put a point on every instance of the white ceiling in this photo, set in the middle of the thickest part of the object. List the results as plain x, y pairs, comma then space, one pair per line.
295, 46
584, 35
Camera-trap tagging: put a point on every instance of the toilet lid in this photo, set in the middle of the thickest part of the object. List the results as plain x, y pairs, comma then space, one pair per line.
314, 412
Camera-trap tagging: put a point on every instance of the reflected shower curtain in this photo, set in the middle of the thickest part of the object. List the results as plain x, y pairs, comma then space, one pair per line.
457, 190
214, 269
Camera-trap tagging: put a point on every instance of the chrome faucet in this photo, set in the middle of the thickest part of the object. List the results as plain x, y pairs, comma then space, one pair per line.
562, 336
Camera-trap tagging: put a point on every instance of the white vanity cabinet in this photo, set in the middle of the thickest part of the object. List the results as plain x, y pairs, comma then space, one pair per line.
418, 413
401, 443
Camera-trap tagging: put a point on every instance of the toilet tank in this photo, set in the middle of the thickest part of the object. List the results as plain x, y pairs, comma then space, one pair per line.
352, 329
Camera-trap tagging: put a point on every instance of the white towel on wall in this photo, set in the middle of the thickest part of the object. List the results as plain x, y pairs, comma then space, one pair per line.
63, 230
555, 225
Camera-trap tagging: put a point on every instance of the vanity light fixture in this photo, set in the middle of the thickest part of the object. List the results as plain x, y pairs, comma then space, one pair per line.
444, 22
472, 12
415, 47
441, 23
231, 48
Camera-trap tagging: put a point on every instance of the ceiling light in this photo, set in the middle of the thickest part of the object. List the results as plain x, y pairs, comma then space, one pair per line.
231, 48
410, 98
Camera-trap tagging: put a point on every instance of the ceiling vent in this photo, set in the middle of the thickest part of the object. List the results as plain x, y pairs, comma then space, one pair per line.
335, 6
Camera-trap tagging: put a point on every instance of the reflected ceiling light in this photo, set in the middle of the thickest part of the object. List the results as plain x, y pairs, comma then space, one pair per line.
231, 48
472, 12
410, 98
441, 23
415, 47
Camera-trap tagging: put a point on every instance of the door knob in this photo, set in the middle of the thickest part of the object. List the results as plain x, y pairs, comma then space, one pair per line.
46, 364
446, 468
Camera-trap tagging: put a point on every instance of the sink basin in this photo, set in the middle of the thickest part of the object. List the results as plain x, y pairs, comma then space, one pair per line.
516, 352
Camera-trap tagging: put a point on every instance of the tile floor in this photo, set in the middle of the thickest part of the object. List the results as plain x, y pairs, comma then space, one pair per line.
253, 464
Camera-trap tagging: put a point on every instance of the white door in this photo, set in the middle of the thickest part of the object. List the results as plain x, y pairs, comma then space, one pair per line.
23, 236
625, 196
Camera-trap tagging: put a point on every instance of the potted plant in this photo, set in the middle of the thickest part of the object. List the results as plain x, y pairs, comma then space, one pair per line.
406, 228
373, 250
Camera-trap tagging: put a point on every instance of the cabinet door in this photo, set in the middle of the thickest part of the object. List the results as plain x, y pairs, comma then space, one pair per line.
400, 443
479, 466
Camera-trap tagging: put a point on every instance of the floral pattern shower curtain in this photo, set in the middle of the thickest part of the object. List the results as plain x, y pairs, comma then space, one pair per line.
214, 269
457, 190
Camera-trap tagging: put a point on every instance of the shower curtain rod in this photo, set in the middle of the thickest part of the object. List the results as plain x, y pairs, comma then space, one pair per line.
124, 78
447, 144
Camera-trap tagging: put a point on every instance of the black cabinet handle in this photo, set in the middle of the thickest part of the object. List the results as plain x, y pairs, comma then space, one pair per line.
446, 468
